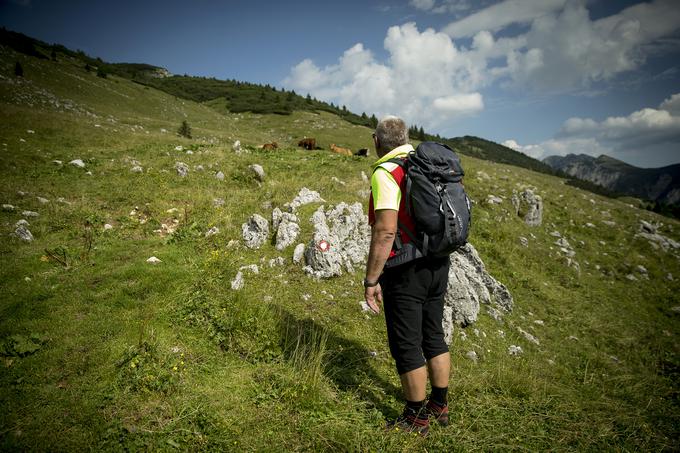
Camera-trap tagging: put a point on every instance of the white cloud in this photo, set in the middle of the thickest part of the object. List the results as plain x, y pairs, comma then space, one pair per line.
648, 137
563, 49
502, 14
424, 5
426, 79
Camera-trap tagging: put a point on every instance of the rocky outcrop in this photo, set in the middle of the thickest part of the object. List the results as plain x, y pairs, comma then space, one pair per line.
529, 206
340, 241
255, 231
469, 287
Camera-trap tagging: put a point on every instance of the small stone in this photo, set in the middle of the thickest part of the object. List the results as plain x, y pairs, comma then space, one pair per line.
137, 169
179, 148
590, 225
182, 169
258, 170
218, 202
57, 162
364, 306
237, 283
30, 214
641, 269
252, 268
7, 207
77, 163
538, 322
108, 226
23, 233
472, 355
572, 338
364, 178
219, 176
676, 309
493, 199
669, 277
189, 152
528, 336
212, 232
236, 146
42, 200
153, 260
631, 277
524, 241
21, 222
255, 231
62, 200
278, 261
88, 173
555, 234
515, 350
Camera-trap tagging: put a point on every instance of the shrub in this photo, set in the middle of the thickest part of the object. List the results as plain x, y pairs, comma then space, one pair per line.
18, 70
101, 72
184, 130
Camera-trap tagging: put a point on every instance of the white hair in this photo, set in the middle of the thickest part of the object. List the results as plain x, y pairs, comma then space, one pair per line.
391, 132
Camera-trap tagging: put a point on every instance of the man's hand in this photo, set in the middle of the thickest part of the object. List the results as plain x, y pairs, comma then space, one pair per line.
374, 297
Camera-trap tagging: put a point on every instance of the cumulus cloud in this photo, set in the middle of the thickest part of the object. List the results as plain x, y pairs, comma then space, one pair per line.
426, 79
563, 49
424, 5
647, 137
501, 15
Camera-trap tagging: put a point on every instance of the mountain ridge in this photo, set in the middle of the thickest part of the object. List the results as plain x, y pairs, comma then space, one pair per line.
660, 184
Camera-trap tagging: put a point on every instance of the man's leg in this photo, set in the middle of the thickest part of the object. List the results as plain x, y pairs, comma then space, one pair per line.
413, 383
439, 369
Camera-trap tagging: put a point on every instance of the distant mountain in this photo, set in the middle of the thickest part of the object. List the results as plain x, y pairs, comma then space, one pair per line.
656, 184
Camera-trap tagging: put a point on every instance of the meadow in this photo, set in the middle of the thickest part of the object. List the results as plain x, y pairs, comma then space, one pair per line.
101, 350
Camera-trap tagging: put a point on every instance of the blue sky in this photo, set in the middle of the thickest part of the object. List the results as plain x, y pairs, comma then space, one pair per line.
542, 76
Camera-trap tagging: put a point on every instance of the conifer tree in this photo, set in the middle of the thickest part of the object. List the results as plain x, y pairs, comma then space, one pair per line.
18, 70
53, 55
184, 129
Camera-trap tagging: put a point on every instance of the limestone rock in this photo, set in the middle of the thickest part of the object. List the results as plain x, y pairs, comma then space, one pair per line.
212, 232
287, 231
255, 231
182, 169
305, 196
108, 226
236, 147
153, 260
258, 170
21, 222
23, 233
472, 355
341, 240
529, 206
30, 214
237, 283
77, 163
278, 261
515, 350
469, 286
298, 253
493, 199
7, 207
219, 176
137, 169
42, 200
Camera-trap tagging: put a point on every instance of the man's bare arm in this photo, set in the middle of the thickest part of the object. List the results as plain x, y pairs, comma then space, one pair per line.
382, 237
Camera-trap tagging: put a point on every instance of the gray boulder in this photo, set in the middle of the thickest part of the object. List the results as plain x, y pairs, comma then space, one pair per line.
23, 233
287, 231
299, 253
469, 286
529, 206
305, 196
341, 240
258, 170
182, 169
255, 231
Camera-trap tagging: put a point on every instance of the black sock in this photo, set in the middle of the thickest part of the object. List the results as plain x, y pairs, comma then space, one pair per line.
416, 408
438, 395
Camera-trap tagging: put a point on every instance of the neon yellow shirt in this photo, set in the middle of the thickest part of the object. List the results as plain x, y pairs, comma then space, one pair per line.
386, 191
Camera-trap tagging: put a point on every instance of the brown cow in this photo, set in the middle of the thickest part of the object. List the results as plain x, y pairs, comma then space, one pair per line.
307, 143
339, 150
270, 146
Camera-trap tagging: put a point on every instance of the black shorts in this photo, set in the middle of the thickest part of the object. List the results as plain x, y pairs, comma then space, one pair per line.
414, 308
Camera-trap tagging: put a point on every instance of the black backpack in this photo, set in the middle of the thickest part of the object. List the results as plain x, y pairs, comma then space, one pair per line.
435, 200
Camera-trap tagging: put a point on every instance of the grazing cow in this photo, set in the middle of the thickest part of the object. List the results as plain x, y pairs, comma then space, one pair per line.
270, 146
307, 143
339, 150
363, 152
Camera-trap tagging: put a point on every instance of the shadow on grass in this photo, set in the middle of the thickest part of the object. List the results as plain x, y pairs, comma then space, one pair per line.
346, 363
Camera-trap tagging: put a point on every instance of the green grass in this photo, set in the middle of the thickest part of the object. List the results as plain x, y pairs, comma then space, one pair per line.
287, 363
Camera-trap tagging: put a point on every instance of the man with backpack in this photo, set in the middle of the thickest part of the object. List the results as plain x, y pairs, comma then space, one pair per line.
405, 268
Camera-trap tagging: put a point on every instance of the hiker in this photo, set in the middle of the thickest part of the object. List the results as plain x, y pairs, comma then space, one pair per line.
412, 293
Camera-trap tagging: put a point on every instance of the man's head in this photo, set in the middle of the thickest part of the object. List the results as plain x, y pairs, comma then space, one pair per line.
390, 133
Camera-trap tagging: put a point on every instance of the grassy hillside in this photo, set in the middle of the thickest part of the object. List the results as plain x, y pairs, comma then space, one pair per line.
102, 350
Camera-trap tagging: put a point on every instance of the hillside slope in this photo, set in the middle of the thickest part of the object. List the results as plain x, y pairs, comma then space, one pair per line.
656, 184
102, 350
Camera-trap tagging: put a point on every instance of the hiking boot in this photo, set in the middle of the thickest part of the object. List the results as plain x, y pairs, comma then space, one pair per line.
411, 423
439, 413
